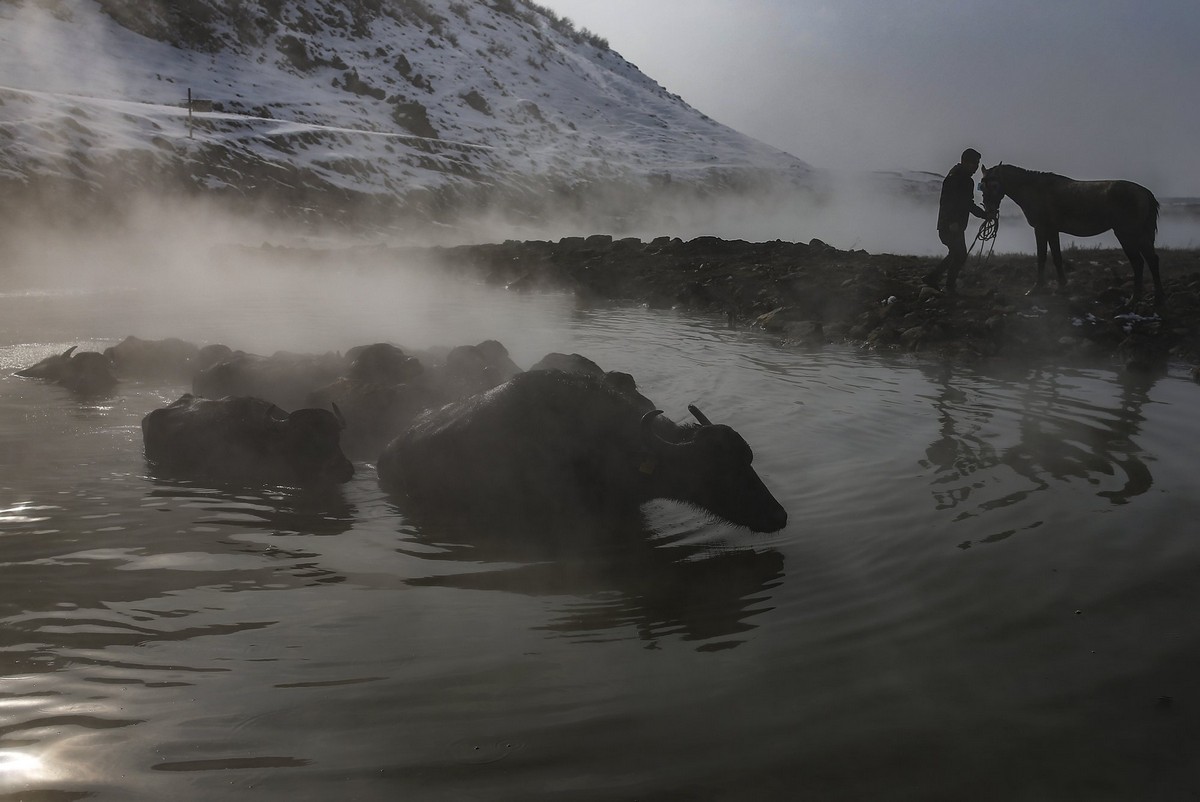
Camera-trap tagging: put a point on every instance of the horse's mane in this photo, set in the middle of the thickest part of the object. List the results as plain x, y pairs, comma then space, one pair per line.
1035, 175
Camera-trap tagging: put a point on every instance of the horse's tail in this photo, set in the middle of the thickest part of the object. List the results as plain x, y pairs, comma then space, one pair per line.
1152, 223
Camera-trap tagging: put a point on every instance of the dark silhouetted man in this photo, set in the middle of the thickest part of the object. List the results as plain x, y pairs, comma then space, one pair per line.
957, 204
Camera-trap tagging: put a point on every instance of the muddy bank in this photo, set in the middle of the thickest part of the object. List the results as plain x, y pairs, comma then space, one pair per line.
812, 293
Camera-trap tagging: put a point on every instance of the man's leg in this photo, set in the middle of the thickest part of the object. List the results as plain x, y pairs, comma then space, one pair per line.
934, 277
957, 243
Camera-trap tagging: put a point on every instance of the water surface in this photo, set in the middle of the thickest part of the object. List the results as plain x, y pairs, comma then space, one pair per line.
984, 591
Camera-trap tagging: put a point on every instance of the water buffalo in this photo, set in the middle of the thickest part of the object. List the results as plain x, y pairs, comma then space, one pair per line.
581, 365
245, 439
283, 378
211, 355
85, 373
381, 363
470, 369
554, 444
381, 394
568, 363
169, 358
384, 388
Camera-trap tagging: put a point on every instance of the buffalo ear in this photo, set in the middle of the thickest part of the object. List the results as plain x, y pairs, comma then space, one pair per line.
269, 416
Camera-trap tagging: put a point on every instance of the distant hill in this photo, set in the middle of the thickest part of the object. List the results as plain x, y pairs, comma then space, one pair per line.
362, 110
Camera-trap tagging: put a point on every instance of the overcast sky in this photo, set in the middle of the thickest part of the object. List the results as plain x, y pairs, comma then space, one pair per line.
1086, 88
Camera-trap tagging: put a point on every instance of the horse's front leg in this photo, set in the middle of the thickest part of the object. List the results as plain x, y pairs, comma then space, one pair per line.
1056, 253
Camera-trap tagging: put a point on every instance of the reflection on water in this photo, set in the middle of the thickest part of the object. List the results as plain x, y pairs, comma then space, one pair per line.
19, 769
997, 445
630, 581
316, 511
169, 639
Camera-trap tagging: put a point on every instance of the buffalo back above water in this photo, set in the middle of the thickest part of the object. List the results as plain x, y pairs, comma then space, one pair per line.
582, 366
170, 357
382, 363
470, 369
548, 443
246, 439
282, 378
375, 412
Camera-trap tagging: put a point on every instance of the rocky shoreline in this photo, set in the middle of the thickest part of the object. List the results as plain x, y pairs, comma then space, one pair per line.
811, 293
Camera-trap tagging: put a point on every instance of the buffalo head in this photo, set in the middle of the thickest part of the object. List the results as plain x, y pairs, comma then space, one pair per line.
89, 373
709, 466
86, 373
52, 368
241, 438
309, 442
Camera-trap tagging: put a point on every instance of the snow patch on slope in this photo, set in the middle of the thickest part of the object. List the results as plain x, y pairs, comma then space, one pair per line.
480, 100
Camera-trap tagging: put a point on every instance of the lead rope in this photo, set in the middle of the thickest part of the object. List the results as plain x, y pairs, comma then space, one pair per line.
987, 231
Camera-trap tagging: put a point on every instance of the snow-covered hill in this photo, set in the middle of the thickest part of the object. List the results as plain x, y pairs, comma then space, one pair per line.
363, 108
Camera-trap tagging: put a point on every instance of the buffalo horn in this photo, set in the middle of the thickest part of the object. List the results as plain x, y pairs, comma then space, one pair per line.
700, 416
337, 413
67, 352
648, 432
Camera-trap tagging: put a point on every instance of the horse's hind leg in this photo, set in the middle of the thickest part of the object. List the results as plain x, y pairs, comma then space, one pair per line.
1056, 254
1133, 251
1160, 296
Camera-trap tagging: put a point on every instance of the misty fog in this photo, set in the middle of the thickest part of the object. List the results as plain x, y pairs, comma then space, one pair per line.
1093, 90
189, 271
850, 211
178, 245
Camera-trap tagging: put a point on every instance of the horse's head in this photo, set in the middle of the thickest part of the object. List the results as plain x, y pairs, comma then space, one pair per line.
992, 188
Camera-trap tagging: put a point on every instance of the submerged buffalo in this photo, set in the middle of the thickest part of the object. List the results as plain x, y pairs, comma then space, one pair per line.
246, 439
382, 363
172, 357
554, 444
283, 378
385, 388
380, 395
86, 373
469, 369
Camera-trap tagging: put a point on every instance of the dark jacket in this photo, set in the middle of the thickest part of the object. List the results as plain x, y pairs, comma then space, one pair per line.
958, 200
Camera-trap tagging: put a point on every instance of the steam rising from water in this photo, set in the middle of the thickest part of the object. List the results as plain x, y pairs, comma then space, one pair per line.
878, 212
189, 269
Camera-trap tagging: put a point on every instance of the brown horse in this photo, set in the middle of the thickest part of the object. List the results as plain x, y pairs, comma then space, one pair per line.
1055, 204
